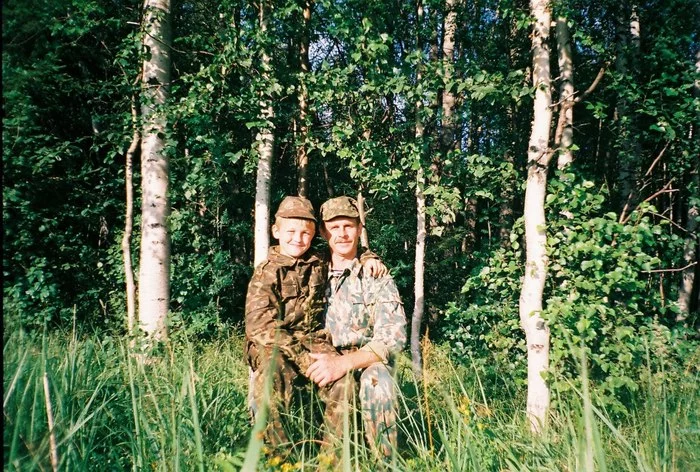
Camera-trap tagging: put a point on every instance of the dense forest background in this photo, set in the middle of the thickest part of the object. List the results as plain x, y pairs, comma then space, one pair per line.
428, 109
622, 241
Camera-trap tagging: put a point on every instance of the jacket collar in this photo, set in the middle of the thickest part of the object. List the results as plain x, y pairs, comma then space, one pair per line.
274, 255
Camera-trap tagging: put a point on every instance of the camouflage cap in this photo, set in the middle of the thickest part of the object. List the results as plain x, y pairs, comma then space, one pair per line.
340, 206
296, 207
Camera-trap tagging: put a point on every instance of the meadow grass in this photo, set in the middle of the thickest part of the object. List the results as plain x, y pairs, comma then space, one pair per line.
88, 402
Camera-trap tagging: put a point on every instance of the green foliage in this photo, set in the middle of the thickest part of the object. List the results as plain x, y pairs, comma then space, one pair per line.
600, 276
60, 132
69, 74
601, 279
484, 322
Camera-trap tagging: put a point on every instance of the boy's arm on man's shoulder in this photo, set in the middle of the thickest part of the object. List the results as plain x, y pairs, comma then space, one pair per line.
373, 264
367, 254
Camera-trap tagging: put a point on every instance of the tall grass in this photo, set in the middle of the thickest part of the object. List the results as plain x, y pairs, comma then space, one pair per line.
186, 410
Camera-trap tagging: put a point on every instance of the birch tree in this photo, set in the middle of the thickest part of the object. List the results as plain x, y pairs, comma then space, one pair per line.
265, 144
154, 268
129, 221
538, 156
419, 284
302, 155
628, 43
565, 128
448, 97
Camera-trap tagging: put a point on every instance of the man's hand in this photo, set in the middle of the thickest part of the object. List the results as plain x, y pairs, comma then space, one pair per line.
376, 268
326, 369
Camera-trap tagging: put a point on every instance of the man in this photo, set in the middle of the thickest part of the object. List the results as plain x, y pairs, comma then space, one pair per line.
366, 320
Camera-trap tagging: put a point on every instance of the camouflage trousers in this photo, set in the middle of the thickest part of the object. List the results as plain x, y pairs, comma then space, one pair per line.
378, 404
286, 375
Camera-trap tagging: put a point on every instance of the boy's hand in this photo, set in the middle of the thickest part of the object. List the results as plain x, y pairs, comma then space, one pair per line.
326, 369
375, 268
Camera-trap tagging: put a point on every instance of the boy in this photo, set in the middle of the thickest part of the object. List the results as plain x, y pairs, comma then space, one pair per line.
284, 319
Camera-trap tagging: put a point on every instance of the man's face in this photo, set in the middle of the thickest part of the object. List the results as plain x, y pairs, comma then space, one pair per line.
343, 235
294, 235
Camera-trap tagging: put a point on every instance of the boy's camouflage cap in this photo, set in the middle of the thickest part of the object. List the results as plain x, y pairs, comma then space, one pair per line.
339, 206
296, 207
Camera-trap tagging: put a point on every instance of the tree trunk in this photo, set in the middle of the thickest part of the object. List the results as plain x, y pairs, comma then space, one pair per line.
266, 142
448, 98
364, 237
419, 286
450, 138
154, 274
507, 194
129, 222
470, 209
564, 138
536, 331
628, 44
302, 156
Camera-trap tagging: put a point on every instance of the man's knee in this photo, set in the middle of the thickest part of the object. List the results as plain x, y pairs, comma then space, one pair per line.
377, 385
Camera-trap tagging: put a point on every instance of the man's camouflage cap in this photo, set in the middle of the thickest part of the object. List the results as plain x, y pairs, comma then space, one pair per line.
296, 207
339, 206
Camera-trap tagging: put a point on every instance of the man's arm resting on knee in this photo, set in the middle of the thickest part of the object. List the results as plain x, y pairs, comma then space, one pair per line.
327, 369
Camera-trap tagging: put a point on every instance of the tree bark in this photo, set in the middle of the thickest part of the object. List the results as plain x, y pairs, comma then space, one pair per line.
419, 285
538, 156
628, 44
266, 144
507, 195
448, 98
364, 237
564, 138
302, 155
129, 222
154, 273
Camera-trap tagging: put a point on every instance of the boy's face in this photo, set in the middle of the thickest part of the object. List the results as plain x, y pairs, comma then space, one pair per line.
343, 235
294, 235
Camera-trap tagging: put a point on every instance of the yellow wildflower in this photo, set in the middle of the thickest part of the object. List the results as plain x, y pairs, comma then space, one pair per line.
274, 461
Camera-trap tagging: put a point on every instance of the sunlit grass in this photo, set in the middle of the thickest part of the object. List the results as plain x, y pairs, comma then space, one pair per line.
186, 409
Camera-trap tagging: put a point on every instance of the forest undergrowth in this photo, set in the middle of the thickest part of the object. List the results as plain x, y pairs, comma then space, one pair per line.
86, 402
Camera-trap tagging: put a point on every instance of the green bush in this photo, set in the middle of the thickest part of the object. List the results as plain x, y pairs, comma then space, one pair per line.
601, 294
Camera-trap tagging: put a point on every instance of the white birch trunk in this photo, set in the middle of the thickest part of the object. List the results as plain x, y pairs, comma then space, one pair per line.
628, 50
266, 146
266, 141
302, 155
448, 98
419, 283
531, 303
129, 223
364, 236
154, 274
418, 287
565, 128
